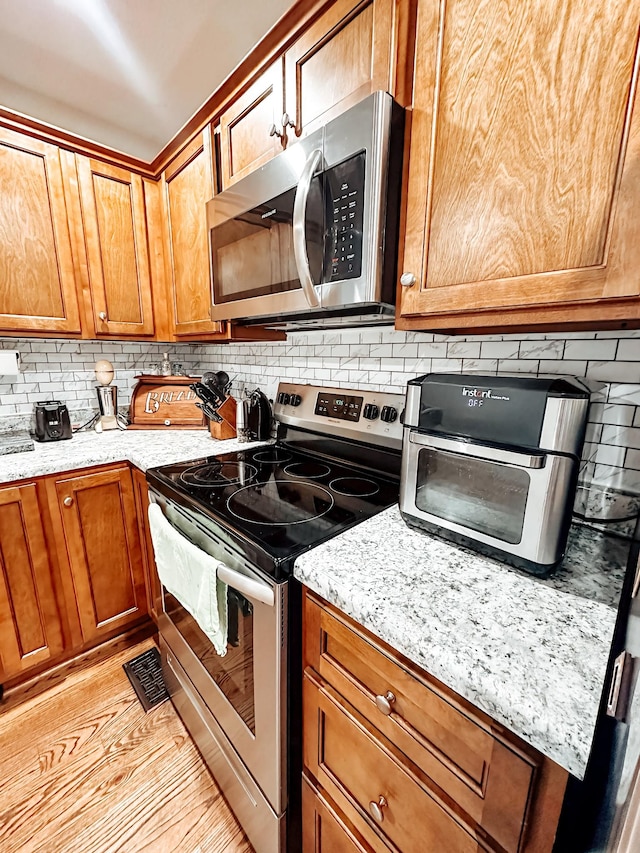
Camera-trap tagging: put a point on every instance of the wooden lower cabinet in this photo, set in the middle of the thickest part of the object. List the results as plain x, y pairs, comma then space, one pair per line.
30, 623
76, 567
324, 829
97, 526
152, 581
408, 764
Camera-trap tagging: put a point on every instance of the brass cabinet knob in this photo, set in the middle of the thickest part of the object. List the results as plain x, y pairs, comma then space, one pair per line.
68, 501
375, 808
384, 703
103, 316
407, 279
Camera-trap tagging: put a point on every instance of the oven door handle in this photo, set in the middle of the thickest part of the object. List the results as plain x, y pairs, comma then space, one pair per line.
299, 231
255, 590
485, 453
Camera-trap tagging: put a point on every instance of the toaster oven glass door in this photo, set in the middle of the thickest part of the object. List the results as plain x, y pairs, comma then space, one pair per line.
483, 496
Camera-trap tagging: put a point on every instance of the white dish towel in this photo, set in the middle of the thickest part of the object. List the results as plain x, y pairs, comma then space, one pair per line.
191, 575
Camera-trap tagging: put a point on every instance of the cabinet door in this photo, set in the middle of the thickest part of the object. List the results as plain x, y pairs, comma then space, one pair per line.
245, 140
113, 214
37, 277
524, 187
154, 590
30, 629
344, 56
100, 529
188, 186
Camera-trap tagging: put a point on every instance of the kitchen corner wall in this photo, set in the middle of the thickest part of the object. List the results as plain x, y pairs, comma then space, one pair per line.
378, 359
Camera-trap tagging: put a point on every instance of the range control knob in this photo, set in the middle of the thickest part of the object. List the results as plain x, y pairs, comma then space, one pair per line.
280, 398
286, 399
389, 414
296, 399
370, 412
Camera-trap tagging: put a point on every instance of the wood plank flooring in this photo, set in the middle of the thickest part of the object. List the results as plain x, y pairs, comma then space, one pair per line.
84, 770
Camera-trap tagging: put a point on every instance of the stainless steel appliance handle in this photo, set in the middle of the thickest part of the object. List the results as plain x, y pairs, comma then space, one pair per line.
299, 231
255, 590
488, 454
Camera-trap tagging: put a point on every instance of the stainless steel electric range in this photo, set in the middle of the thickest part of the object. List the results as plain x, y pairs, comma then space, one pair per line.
336, 462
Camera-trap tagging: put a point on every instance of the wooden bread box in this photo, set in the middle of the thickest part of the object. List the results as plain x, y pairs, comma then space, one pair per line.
165, 402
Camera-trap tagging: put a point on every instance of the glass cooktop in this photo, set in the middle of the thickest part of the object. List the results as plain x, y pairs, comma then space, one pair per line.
279, 499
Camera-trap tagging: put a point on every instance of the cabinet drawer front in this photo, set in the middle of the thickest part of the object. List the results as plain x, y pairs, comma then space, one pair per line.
490, 779
324, 831
357, 771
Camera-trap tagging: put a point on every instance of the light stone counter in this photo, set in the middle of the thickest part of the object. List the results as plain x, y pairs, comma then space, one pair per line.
143, 448
531, 653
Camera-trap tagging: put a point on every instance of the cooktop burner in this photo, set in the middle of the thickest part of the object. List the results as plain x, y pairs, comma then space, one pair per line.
275, 502
280, 502
354, 486
218, 474
309, 470
272, 454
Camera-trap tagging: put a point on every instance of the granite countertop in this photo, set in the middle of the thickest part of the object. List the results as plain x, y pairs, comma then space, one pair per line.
531, 653
143, 448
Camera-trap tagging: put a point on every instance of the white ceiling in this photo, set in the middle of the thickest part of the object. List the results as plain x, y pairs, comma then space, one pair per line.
125, 73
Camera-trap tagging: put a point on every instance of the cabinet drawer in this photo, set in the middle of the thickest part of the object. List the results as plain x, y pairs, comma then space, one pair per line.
325, 831
491, 779
361, 775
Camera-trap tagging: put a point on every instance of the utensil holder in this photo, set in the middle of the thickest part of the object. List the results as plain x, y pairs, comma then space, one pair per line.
227, 428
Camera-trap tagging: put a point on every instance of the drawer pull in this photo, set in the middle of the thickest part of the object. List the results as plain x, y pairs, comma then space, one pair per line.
68, 501
376, 806
384, 703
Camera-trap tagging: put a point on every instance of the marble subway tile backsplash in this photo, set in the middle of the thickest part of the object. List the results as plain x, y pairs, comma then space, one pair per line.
378, 359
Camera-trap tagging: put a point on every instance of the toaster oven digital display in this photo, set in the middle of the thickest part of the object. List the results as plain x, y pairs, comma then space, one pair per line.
342, 406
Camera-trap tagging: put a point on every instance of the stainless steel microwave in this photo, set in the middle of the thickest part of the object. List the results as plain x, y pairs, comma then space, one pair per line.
310, 238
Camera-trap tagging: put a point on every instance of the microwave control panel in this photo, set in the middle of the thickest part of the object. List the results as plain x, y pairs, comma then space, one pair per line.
344, 194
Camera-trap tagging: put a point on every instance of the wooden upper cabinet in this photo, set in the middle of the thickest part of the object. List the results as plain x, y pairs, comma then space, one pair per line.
524, 179
37, 277
30, 629
246, 140
188, 185
98, 528
117, 251
347, 54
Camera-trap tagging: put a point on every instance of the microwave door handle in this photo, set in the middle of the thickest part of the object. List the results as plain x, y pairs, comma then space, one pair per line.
255, 590
299, 230
485, 453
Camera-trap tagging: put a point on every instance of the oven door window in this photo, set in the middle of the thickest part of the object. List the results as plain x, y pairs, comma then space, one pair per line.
233, 673
482, 496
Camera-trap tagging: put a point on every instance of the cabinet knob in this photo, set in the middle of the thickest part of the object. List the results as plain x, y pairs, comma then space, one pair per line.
407, 279
286, 121
273, 131
68, 501
384, 703
375, 808
103, 316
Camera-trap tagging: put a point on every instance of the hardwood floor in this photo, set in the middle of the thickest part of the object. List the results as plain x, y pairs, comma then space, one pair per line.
84, 770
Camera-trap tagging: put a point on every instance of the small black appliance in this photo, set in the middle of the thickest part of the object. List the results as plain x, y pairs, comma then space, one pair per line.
50, 421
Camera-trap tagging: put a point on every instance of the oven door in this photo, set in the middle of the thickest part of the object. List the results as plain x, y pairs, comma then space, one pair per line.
245, 690
511, 501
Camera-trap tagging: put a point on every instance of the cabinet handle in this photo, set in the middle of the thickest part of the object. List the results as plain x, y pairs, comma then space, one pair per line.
286, 121
273, 131
407, 279
68, 501
376, 806
384, 703
103, 316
